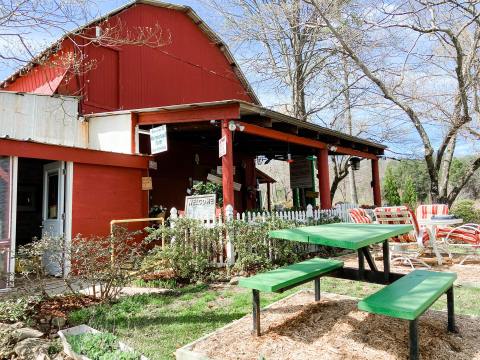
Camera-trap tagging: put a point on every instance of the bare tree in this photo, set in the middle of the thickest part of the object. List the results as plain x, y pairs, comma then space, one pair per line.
284, 49
430, 71
27, 26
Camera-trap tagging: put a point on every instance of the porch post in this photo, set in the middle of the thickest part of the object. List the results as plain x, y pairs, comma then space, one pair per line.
323, 179
227, 168
377, 195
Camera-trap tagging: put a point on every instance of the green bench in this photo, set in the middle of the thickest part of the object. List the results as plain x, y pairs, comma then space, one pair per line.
409, 297
285, 278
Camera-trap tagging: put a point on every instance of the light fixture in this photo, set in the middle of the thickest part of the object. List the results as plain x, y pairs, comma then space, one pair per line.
289, 155
355, 163
232, 126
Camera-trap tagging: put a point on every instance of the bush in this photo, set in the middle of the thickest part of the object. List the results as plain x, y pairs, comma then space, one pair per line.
465, 209
105, 263
19, 309
102, 346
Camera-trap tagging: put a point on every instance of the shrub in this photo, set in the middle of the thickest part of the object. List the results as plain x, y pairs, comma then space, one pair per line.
105, 263
18, 309
465, 209
409, 194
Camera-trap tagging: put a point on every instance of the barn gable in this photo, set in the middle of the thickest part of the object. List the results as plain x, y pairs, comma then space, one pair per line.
193, 66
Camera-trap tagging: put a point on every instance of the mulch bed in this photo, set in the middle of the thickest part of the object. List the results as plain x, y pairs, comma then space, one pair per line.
298, 328
61, 306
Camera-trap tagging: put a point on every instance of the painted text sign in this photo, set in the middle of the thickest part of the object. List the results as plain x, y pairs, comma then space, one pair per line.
200, 207
158, 139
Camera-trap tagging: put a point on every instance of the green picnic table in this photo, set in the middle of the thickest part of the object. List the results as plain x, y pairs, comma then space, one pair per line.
356, 237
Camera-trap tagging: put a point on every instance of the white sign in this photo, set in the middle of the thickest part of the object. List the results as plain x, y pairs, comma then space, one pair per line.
158, 139
200, 207
218, 180
222, 146
152, 164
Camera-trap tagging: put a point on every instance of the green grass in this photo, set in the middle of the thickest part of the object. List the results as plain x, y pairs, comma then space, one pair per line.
157, 325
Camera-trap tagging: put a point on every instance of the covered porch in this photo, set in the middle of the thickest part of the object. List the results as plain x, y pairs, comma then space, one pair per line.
247, 132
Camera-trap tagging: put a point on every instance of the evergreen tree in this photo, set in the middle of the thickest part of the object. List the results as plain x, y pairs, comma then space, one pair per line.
390, 188
409, 195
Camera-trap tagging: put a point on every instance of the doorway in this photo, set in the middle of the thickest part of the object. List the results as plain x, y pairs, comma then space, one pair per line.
40, 209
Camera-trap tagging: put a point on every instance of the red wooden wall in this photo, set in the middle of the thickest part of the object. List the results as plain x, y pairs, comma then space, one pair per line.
105, 193
188, 69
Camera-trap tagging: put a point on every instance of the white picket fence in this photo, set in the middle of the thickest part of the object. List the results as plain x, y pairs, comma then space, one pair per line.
227, 256
340, 211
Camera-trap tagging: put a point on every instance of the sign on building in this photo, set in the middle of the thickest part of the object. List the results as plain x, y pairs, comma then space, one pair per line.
222, 146
158, 139
301, 173
200, 207
147, 183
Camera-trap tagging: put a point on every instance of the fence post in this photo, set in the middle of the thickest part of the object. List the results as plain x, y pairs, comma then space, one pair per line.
230, 249
173, 218
309, 212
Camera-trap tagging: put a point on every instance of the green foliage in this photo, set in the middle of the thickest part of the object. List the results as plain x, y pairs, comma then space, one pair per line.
101, 346
416, 170
409, 194
390, 188
203, 188
18, 309
465, 209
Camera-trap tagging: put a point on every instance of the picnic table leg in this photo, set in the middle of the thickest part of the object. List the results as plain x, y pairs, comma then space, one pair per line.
413, 339
386, 262
361, 264
317, 289
256, 312
451, 310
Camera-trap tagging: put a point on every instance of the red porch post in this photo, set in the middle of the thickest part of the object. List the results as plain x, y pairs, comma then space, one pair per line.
227, 168
323, 179
377, 194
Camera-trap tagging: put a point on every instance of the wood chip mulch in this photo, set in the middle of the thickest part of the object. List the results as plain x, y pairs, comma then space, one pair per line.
298, 328
60, 306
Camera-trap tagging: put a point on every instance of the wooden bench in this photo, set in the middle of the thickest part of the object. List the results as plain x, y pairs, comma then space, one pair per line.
285, 278
409, 297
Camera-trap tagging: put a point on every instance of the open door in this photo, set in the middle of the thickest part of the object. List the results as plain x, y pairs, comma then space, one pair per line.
53, 211
7, 242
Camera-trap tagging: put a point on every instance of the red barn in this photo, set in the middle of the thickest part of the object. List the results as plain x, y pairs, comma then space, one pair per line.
73, 151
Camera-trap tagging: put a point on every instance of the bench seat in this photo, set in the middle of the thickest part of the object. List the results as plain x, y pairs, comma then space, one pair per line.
287, 277
282, 278
410, 296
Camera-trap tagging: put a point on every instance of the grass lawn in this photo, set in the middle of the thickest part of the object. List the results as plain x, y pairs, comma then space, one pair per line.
156, 325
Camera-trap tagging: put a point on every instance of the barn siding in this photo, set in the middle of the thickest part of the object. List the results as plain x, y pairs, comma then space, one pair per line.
105, 193
189, 69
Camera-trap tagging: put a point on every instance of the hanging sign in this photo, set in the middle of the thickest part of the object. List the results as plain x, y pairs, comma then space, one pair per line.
147, 183
152, 164
200, 207
158, 139
222, 146
301, 173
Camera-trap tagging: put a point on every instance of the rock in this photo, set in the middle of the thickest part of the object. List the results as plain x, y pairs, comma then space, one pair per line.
234, 280
31, 348
42, 357
59, 322
27, 333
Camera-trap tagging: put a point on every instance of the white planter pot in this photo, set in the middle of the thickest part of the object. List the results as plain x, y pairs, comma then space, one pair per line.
85, 329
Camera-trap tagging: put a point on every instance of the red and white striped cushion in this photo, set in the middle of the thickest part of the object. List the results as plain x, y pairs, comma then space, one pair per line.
359, 216
401, 215
469, 235
425, 212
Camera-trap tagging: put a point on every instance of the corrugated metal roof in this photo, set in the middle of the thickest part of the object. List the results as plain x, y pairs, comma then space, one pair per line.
186, 9
253, 109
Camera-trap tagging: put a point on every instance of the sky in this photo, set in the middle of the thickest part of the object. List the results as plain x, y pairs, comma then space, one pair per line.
267, 94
